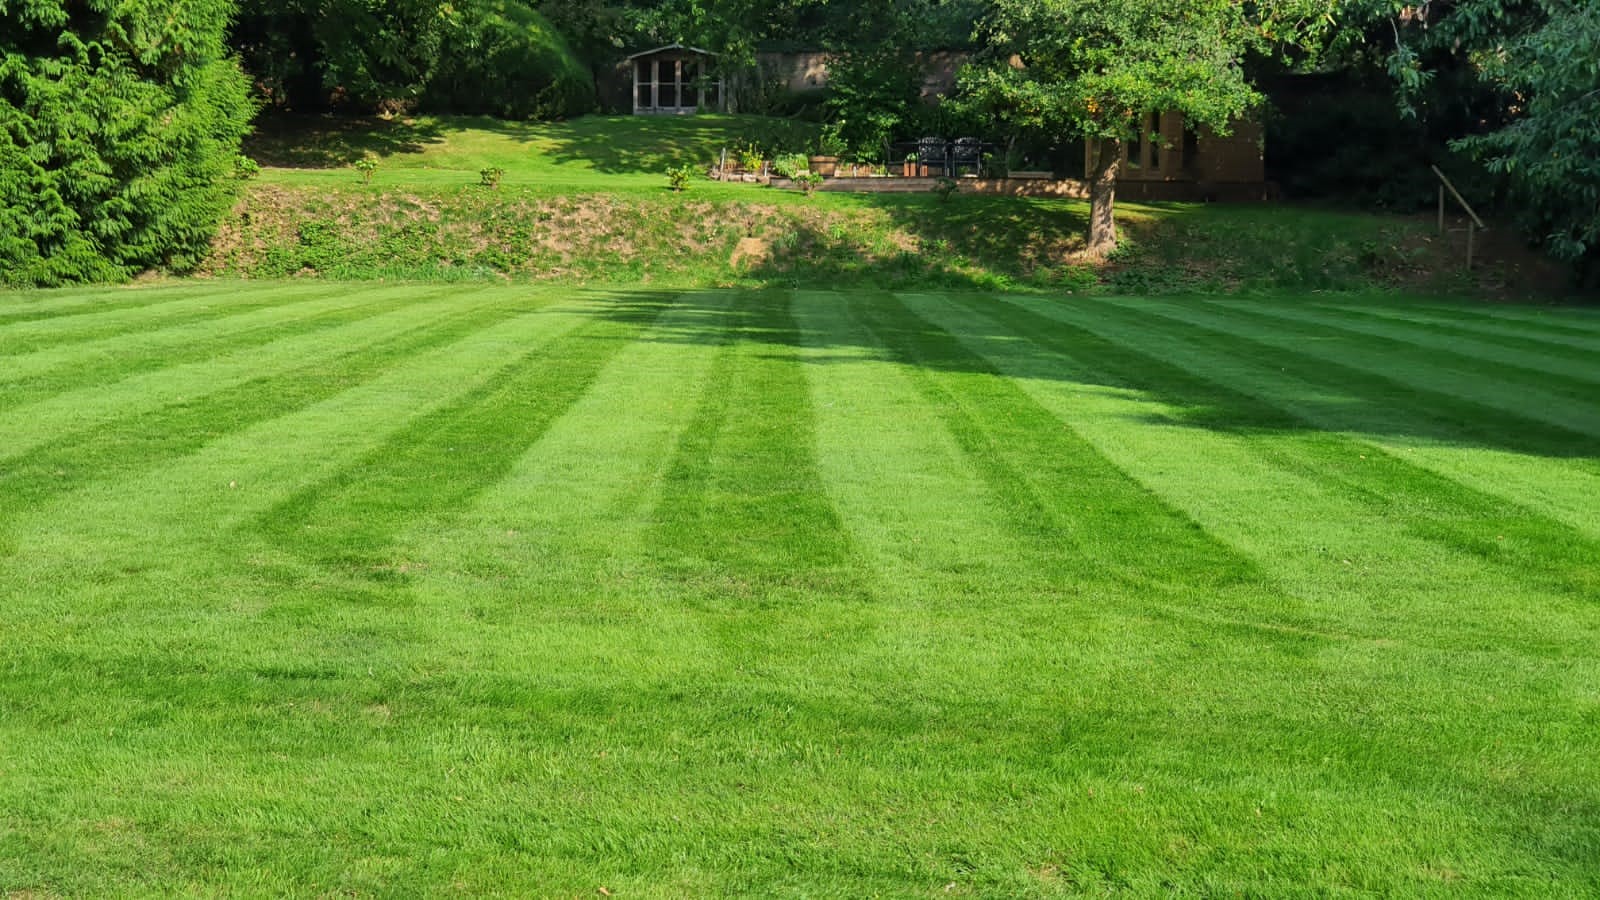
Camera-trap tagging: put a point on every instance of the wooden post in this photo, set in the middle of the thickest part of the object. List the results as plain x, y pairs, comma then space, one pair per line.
1472, 231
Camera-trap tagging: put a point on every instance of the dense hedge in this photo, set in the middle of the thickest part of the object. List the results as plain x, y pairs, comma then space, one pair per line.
119, 126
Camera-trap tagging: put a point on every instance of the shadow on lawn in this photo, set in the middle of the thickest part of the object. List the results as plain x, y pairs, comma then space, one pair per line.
333, 142
1366, 402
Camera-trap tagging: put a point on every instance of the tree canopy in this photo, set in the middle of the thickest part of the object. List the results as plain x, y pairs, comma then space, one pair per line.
1095, 69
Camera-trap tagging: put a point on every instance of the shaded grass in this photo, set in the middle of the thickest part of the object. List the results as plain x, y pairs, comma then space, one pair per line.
518, 590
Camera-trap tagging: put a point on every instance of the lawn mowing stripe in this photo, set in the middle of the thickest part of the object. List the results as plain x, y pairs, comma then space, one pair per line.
29, 305
1564, 346
1057, 489
1545, 397
1450, 352
1528, 651
40, 375
1387, 490
901, 458
1518, 419
20, 340
30, 425
1444, 435
348, 522
557, 548
189, 507
743, 516
1563, 320
1324, 684
121, 448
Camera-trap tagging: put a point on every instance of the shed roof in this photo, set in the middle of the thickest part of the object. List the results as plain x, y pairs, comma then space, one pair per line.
672, 46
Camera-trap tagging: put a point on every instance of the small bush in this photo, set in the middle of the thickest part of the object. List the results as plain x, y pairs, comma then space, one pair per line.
791, 165
367, 168
946, 188
490, 176
808, 181
245, 168
678, 177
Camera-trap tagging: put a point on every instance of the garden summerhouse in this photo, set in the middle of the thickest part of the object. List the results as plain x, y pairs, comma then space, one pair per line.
675, 80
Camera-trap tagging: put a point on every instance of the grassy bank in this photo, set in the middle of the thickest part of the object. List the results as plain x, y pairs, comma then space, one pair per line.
757, 236
315, 588
584, 202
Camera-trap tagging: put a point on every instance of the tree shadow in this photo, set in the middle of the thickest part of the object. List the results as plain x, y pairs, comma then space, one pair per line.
333, 142
917, 240
1363, 401
633, 145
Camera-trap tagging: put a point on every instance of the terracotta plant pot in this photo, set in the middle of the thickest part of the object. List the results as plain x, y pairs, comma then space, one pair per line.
826, 166
909, 168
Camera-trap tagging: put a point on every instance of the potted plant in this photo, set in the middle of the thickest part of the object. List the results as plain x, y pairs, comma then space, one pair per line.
909, 167
829, 148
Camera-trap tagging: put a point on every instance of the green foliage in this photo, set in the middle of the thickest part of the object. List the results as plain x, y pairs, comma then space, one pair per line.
1550, 151
789, 165
945, 188
245, 168
808, 181
119, 130
367, 167
504, 59
489, 176
874, 96
678, 177
497, 57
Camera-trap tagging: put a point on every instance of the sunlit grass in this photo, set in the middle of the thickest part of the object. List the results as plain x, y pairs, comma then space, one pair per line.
322, 588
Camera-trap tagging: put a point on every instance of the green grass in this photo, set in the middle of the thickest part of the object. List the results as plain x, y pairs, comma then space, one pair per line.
318, 588
608, 153
586, 202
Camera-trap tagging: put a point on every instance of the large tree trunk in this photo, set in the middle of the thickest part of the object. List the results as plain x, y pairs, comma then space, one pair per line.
1103, 197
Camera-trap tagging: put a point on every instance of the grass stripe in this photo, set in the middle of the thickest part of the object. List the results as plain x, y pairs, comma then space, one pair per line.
120, 449
1450, 353
1540, 364
1546, 398
190, 508
19, 340
28, 306
742, 513
31, 425
38, 376
1544, 342
348, 523
1512, 459
1374, 485
1496, 417
1563, 320
1157, 707
1056, 488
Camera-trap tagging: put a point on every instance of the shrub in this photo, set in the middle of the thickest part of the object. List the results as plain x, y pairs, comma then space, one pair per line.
367, 168
808, 181
119, 130
678, 177
946, 188
245, 168
791, 165
490, 176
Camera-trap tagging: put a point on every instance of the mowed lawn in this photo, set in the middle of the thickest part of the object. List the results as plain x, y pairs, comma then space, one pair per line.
318, 589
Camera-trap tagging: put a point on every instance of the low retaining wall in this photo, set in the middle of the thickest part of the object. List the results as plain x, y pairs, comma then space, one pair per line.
1065, 188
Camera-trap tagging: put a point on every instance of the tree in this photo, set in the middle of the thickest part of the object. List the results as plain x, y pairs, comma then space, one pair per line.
1539, 57
1097, 68
119, 127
